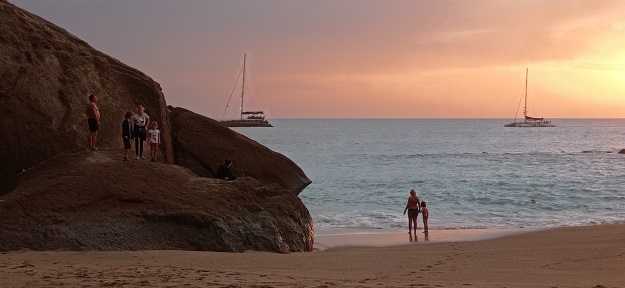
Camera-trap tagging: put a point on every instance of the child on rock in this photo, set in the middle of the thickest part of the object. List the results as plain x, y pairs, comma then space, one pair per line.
155, 140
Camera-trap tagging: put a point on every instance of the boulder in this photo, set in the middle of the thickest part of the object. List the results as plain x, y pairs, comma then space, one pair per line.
54, 194
46, 75
202, 144
84, 200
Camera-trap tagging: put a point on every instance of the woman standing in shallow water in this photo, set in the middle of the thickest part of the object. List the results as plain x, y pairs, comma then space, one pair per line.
412, 207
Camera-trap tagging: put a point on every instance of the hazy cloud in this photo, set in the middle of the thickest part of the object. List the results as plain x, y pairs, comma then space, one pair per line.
327, 47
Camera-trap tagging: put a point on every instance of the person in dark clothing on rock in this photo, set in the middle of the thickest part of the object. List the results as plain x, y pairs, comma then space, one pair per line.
127, 134
223, 172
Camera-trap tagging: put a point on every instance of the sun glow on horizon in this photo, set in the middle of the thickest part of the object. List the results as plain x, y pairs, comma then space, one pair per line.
361, 58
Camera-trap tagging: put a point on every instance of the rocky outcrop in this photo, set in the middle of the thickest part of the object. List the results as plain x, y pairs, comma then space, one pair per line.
622, 151
46, 75
56, 195
94, 201
201, 144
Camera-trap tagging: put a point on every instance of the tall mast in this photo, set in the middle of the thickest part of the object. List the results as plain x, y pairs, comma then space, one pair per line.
243, 86
524, 108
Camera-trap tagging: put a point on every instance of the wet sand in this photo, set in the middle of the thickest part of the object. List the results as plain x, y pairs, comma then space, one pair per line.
592, 256
348, 237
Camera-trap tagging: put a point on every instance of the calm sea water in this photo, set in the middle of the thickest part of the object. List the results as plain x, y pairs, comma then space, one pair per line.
473, 173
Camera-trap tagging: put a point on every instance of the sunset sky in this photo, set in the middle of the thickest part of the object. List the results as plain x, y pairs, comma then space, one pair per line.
366, 59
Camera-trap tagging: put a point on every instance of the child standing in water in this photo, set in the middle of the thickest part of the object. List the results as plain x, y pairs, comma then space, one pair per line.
413, 210
155, 139
426, 214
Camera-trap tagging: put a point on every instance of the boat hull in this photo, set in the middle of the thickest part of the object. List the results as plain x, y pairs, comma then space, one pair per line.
529, 124
246, 123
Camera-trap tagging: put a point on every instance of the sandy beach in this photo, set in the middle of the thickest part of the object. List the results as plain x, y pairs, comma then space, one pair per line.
592, 256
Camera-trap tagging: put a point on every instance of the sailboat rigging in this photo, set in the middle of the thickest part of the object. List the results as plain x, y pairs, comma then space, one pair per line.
247, 118
529, 121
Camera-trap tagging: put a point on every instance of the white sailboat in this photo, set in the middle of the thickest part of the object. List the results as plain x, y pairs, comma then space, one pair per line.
247, 118
529, 121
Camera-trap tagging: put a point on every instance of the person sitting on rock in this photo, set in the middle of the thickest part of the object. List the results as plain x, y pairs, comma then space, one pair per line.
223, 172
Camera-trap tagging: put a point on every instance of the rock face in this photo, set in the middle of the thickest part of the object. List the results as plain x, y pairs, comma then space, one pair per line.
62, 204
56, 195
202, 144
46, 75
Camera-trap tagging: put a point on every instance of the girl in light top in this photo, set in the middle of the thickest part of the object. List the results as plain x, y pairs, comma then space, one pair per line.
141, 120
155, 139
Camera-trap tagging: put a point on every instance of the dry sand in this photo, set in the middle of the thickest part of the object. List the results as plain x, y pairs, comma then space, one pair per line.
592, 256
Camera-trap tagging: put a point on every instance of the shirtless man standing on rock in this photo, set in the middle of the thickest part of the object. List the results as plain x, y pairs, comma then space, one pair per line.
93, 114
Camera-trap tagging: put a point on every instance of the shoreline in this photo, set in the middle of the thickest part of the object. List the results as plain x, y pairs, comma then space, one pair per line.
580, 256
328, 238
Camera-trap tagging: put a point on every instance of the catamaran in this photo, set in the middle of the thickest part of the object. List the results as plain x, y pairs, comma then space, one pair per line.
529, 121
247, 118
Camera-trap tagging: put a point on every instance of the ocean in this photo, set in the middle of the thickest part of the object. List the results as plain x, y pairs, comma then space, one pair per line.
473, 173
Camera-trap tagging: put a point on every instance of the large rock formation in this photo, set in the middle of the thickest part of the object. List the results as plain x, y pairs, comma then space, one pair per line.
94, 201
46, 75
201, 144
82, 200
